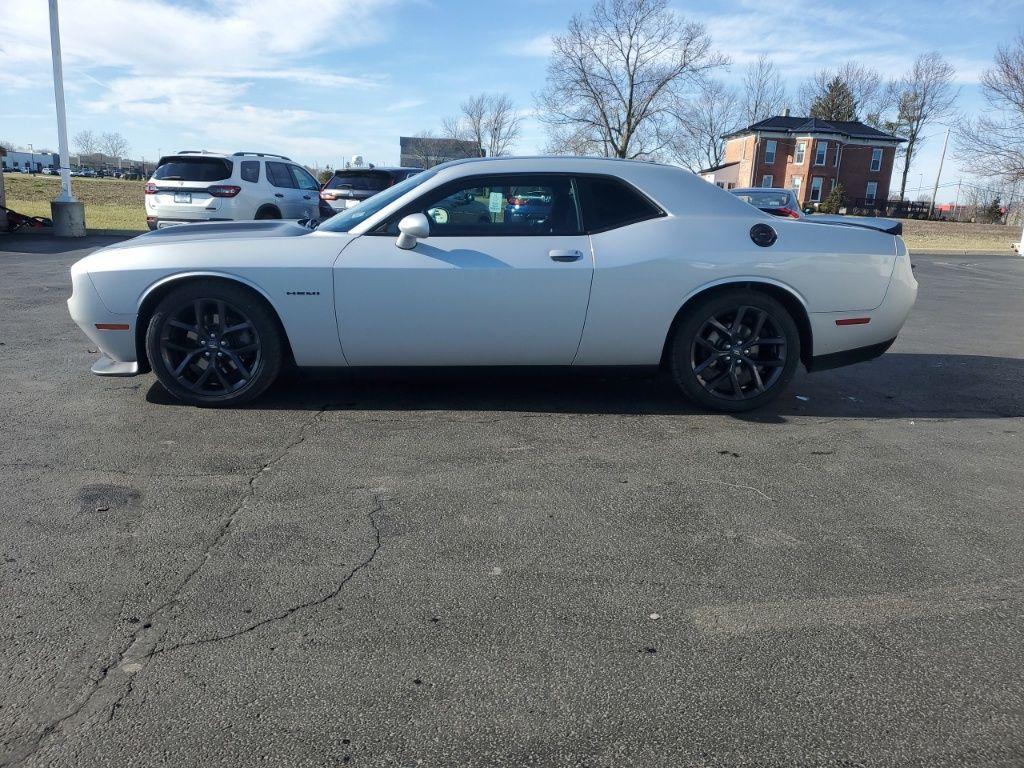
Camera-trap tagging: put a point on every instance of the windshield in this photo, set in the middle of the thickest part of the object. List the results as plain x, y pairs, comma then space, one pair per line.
350, 217
767, 199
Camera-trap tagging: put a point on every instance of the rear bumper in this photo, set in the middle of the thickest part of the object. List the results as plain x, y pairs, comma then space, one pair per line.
849, 356
837, 343
156, 222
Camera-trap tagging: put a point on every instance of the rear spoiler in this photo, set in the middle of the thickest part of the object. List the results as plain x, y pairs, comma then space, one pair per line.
891, 228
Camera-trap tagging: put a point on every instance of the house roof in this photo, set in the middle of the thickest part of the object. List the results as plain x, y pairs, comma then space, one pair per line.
714, 168
853, 129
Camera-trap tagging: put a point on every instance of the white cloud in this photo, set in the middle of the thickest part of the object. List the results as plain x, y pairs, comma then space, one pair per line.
538, 46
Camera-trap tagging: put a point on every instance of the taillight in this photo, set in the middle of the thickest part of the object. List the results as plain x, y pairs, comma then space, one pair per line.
150, 188
517, 201
328, 195
791, 213
223, 190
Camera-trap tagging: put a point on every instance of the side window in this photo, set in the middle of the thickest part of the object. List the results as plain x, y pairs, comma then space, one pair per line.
497, 206
278, 175
303, 179
251, 170
609, 203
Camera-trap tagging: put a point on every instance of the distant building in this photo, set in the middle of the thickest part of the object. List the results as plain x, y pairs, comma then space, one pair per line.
809, 156
35, 161
426, 152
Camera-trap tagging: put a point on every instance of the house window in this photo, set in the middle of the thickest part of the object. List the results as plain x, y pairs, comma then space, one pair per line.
876, 159
794, 183
769, 151
839, 154
816, 184
767, 179
820, 150
801, 147
871, 192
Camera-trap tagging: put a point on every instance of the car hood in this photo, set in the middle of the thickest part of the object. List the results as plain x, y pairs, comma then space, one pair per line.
889, 226
220, 230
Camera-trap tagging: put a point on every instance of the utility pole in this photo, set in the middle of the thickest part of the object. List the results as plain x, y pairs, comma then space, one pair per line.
68, 213
935, 189
956, 204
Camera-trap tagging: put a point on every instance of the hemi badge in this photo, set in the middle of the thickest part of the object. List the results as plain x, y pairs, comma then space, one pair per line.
112, 326
854, 321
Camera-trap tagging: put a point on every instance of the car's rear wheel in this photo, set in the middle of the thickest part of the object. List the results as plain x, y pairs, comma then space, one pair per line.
213, 343
735, 351
268, 212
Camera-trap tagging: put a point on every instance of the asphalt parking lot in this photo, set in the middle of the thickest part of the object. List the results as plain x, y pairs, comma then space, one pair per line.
536, 571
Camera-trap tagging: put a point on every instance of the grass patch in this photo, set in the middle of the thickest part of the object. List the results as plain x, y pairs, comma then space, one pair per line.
109, 203
958, 236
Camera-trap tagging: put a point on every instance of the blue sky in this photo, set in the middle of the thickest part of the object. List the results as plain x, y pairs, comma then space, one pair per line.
321, 80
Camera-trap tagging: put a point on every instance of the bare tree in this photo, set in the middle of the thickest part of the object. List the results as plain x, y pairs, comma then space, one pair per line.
922, 96
114, 145
764, 94
8, 145
703, 121
489, 120
615, 75
863, 83
993, 144
85, 142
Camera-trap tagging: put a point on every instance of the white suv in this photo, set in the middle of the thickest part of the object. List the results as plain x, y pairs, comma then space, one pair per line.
193, 186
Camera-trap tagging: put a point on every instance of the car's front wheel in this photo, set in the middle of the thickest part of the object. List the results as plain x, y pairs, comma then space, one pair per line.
735, 351
213, 343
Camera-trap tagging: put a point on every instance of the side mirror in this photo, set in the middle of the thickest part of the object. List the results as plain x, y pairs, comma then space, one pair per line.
412, 228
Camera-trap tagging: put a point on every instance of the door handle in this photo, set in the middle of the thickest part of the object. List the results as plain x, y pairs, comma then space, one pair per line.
278, 194
306, 197
565, 255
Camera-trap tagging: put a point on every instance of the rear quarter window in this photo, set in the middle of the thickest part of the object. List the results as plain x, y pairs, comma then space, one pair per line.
194, 169
251, 170
611, 203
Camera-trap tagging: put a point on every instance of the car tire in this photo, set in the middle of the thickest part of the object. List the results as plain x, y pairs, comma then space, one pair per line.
715, 356
214, 343
268, 212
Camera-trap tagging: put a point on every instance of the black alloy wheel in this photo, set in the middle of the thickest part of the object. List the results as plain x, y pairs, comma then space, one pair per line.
735, 351
214, 343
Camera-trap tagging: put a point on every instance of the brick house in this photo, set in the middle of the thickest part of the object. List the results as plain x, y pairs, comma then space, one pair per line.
810, 156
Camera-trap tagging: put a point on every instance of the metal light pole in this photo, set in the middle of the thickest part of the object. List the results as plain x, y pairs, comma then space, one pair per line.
68, 213
935, 189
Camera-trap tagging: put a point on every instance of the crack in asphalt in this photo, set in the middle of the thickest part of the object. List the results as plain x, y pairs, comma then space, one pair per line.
286, 613
142, 643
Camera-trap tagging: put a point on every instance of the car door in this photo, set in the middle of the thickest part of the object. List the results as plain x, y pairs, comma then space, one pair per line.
480, 290
286, 192
308, 192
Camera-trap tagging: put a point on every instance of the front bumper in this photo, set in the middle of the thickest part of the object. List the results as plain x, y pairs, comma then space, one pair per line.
113, 334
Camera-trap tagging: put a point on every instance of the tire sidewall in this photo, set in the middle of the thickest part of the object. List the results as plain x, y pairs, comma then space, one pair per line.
253, 307
691, 323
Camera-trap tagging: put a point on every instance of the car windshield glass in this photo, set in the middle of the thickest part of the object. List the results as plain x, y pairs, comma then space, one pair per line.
194, 169
348, 218
765, 199
372, 181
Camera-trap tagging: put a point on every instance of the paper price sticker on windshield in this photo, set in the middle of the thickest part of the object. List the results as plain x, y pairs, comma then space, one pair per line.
495, 203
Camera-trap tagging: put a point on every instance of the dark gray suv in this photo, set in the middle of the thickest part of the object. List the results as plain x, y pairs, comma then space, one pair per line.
350, 186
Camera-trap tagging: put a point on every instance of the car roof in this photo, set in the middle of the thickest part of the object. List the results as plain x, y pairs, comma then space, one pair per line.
383, 168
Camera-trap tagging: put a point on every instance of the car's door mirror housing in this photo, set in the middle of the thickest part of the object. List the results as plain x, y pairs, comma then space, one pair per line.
412, 228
